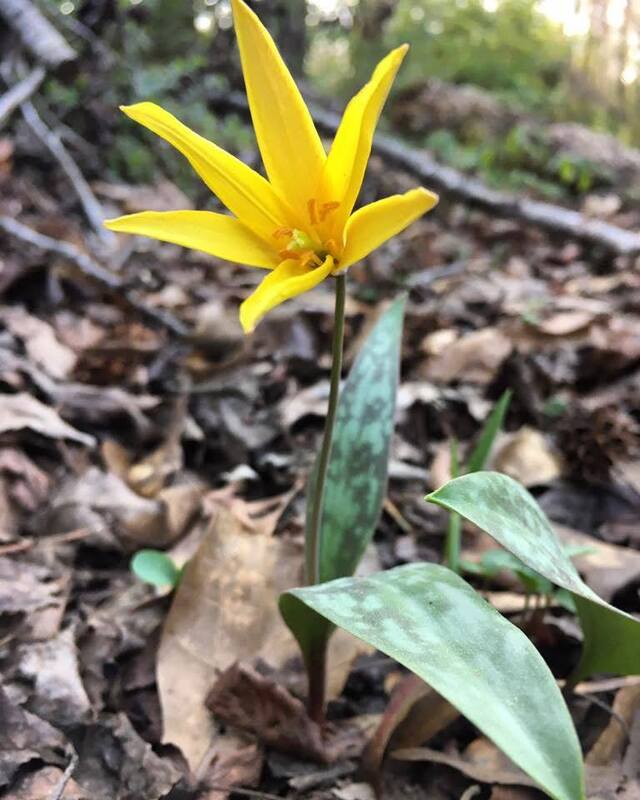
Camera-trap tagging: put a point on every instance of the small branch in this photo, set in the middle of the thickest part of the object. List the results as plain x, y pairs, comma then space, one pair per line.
37, 33
92, 208
94, 271
21, 92
65, 778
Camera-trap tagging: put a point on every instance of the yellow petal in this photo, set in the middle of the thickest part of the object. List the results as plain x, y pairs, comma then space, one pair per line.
291, 149
288, 279
349, 154
372, 225
217, 234
242, 190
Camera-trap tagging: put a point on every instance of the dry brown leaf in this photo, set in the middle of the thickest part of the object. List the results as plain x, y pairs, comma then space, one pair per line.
414, 715
40, 341
225, 610
610, 745
243, 698
473, 358
564, 323
235, 763
23, 412
527, 457
44, 784
481, 761
606, 568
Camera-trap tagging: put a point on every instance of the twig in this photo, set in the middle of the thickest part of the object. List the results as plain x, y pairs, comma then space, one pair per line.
20, 92
49, 541
217, 787
37, 33
92, 208
65, 778
556, 219
94, 271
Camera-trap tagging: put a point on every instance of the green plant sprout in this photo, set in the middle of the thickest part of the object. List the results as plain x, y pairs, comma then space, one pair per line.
477, 461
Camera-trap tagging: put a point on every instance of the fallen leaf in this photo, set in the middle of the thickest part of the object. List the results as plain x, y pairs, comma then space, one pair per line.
610, 745
40, 341
481, 761
606, 568
414, 714
115, 762
52, 667
228, 595
565, 323
24, 738
23, 412
527, 457
44, 783
38, 594
247, 700
474, 358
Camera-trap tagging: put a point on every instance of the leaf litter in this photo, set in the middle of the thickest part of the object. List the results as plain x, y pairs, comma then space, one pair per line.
116, 436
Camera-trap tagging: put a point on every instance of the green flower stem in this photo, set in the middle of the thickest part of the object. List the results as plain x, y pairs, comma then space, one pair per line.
313, 542
452, 542
316, 661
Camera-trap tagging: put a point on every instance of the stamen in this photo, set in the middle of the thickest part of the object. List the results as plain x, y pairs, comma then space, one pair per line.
311, 206
280, 233
286, 254
331, 247
327, 208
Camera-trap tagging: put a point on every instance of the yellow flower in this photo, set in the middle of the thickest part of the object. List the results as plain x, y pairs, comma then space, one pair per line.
300, 222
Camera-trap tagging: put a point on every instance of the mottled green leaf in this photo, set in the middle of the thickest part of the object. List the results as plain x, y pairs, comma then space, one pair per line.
431, 621
506, 511
357, 476
155, 567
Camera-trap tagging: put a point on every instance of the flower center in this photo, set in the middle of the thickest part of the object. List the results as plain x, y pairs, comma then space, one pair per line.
304, 247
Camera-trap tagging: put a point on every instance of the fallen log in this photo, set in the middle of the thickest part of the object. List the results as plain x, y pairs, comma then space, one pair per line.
553, 218
38, 35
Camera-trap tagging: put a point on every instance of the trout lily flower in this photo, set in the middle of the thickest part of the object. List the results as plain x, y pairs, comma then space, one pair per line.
299, 223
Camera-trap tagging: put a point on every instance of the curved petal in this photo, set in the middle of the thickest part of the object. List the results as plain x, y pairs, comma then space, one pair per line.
242, 190
288, 279
372, 225
217, 234
349, 154
291, 149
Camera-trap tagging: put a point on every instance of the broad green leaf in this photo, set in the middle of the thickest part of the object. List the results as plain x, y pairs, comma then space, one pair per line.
506, 511
357, 476
431, 621
480, 453
155, 567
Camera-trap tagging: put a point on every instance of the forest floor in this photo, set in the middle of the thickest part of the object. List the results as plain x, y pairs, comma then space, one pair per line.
139, 416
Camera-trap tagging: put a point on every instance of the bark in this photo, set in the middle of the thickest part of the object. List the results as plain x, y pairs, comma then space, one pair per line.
38, 35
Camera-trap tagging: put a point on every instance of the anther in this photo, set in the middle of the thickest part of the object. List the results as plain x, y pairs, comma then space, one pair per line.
282, 232
311, 207
327, 208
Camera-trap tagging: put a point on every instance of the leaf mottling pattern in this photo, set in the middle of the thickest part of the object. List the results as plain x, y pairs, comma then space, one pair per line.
357, 477
431, 621
506, 511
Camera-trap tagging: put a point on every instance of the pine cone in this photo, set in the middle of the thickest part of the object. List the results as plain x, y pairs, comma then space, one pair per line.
593, 440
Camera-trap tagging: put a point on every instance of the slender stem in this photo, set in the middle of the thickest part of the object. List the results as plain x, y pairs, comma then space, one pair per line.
454, 528
452, 542
315, 522
317, 680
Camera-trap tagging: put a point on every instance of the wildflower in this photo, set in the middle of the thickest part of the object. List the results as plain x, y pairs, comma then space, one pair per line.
299, 224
